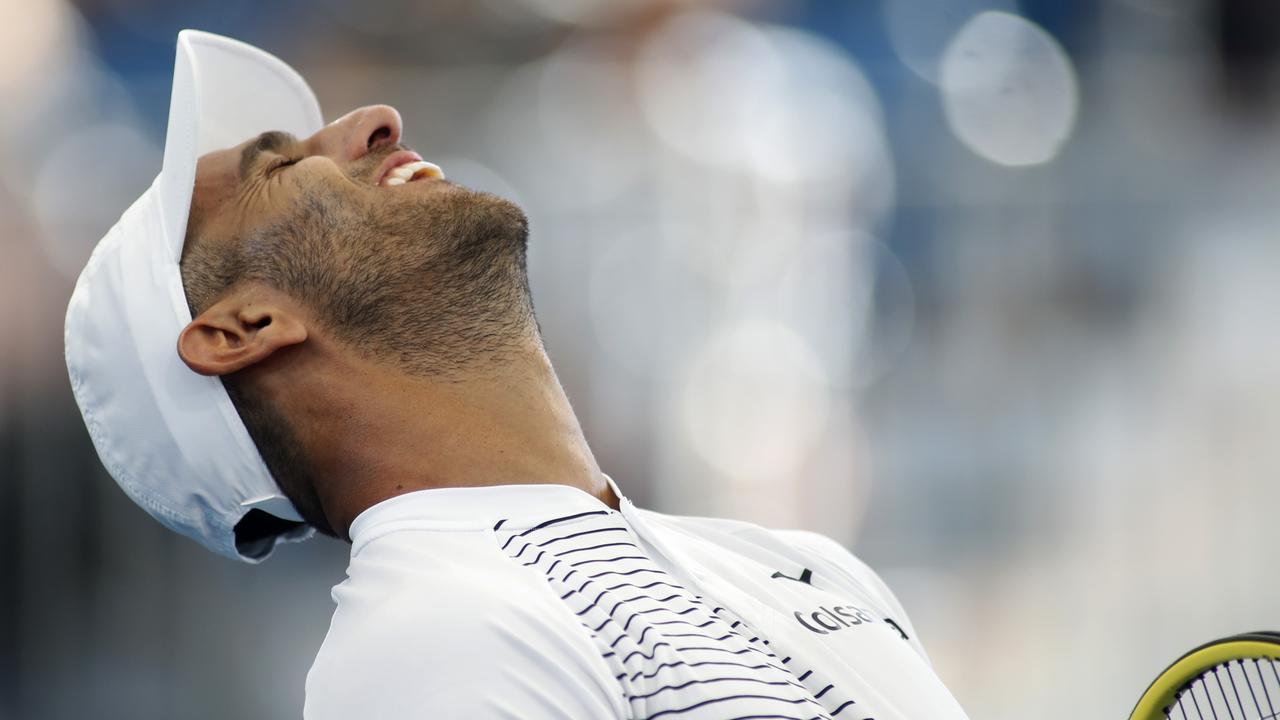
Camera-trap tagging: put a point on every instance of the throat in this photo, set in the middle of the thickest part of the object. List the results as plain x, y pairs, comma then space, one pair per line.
388, 434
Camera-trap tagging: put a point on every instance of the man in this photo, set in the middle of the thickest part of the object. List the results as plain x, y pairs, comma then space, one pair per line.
308, 327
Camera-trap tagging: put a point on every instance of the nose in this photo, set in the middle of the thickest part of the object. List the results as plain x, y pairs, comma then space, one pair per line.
361, 132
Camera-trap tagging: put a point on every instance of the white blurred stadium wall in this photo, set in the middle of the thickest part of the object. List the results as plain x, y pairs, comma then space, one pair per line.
983, 288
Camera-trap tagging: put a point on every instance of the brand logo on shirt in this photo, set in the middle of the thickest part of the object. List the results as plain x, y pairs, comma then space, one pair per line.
824, 621
805, 576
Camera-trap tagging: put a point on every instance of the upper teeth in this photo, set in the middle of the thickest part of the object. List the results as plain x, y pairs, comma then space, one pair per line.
409, 172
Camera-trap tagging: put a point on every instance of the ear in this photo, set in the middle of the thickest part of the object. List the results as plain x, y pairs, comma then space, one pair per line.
242, 329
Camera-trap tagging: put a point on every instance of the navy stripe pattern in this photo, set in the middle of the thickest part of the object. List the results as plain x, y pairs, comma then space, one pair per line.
674, 654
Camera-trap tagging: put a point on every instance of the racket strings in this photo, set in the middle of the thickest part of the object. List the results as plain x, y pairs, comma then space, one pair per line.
1234, 690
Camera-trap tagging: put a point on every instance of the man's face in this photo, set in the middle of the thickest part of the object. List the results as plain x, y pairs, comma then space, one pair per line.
403, 267
358, 157
390, 257
264, 178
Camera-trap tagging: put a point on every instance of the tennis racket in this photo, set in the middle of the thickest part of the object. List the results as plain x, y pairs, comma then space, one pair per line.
1235, 678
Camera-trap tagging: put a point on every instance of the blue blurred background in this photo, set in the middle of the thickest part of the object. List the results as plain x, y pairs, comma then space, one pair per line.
984, 289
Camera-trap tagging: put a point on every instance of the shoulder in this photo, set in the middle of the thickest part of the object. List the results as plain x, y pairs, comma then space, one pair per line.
834, 563
799, 546
446, 627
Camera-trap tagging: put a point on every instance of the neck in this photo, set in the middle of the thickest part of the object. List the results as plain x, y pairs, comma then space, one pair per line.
371, 433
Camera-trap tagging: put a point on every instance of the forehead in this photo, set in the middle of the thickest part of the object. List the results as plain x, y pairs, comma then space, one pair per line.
219, 167
241, 156
216, 182
218, 175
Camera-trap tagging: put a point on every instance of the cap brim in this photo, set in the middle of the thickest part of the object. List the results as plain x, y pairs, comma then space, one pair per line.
224, 92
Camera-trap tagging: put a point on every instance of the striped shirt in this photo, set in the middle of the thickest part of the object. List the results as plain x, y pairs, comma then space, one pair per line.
537, 601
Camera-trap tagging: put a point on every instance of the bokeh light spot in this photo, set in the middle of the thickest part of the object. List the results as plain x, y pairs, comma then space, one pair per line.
1008, 90
755, 400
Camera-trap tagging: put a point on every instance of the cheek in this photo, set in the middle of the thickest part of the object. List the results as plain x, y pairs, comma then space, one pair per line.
322, 170
316, 185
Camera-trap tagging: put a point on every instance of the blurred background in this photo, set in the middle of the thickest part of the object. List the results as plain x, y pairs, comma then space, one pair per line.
985, 289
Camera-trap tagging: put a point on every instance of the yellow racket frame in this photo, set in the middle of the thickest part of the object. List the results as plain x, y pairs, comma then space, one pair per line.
1161, 694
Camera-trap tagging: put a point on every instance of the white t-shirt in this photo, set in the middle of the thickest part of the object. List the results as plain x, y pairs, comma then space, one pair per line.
539, 601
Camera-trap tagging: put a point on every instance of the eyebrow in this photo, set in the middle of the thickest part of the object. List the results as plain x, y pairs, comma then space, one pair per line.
271, 140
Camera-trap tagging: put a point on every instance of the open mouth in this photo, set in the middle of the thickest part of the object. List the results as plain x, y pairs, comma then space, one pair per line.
406, 167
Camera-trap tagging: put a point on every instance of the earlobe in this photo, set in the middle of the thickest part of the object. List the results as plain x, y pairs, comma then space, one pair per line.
235, 333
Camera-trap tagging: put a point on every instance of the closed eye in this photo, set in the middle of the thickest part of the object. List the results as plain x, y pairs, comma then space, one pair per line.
282, 163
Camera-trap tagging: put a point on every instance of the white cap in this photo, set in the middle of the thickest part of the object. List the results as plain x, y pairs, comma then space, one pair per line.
171, 438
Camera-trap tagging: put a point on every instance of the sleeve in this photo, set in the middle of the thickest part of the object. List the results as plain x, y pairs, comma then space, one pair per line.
855, 570
475, 655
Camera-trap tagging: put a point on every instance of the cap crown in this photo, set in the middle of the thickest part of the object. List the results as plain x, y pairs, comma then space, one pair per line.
171, 438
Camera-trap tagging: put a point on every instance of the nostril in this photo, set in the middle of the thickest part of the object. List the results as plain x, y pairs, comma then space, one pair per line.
378, 136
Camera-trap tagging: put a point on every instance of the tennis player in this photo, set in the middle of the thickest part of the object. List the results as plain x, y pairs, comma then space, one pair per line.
304, 327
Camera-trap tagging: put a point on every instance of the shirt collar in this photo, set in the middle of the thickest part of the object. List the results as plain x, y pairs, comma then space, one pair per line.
478, 508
